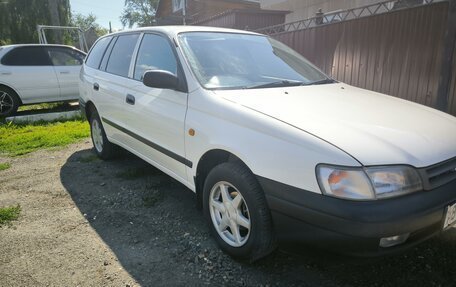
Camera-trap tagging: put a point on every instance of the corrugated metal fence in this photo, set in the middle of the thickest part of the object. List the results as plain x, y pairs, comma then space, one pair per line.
397, 53
452, 94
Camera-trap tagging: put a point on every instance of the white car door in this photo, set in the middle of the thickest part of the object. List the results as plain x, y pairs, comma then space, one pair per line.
29, 71
110, 84
155, 118
67, 65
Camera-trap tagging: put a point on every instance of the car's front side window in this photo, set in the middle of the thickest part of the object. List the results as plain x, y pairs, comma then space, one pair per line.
122, 52
155, 53
27, 56
65, 57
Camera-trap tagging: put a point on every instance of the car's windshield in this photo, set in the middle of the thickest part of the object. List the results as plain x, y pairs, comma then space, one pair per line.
235, 61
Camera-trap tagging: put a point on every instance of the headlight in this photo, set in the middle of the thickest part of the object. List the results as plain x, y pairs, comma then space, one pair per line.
394, 180
367, 183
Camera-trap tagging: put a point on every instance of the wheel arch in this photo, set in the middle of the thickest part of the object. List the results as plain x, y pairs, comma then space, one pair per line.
206, 163
89, 107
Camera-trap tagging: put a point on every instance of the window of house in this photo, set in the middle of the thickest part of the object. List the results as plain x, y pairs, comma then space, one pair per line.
178, 5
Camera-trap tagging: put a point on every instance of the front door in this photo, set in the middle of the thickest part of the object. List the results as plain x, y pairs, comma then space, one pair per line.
157, 116
67, 65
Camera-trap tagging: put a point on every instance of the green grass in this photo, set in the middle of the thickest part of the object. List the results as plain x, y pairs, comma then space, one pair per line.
4, 165
8, 214
42, 106
20, 139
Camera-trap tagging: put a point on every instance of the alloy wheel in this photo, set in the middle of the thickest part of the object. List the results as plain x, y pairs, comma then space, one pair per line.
230, 214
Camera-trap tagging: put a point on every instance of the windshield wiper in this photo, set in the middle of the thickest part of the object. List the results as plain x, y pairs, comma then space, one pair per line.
282, 83
321, 82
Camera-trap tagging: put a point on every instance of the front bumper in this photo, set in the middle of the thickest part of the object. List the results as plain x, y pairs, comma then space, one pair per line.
355, 227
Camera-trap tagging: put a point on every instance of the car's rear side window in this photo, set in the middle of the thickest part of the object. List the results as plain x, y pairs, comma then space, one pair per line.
120, 58
27, 56
97, 52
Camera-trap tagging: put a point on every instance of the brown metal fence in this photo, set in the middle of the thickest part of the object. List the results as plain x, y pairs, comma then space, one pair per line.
397, 53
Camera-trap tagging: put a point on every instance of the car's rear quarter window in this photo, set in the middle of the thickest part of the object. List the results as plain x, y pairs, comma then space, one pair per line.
97, 52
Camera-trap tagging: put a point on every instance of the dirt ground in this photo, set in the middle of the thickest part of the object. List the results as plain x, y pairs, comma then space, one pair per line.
86, 222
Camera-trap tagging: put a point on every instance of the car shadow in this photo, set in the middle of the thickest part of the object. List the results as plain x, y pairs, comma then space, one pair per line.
151, 223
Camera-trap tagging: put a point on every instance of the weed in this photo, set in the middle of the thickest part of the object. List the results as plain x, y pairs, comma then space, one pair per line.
8, 214
4, 165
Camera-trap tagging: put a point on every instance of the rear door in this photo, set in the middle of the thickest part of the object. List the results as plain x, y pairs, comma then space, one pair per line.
112, 84
88, 85
29, 71
67, 65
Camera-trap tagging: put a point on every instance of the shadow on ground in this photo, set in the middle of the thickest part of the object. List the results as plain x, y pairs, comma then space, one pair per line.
151, 224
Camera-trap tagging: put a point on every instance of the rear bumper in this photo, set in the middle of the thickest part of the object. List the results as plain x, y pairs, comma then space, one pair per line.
355, 227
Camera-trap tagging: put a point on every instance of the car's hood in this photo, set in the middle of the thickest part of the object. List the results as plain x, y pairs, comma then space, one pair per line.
373, 128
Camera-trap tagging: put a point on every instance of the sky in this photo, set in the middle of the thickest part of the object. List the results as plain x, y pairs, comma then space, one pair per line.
105, 10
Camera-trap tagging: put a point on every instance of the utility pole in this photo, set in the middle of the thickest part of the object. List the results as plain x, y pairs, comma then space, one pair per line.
184, 12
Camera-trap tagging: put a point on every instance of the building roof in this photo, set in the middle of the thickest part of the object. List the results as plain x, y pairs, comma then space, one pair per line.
160, 4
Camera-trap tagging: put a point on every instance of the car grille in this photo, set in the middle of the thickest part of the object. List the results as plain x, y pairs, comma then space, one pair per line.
439, 174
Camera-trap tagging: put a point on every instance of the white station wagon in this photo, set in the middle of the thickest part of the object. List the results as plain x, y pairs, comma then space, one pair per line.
33, 73
274, 149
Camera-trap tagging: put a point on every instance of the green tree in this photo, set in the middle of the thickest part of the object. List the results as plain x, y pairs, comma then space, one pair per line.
19, 19
139, 12
88, 22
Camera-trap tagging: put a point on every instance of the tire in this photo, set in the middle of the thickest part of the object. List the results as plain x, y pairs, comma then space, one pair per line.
101, 145
9, 102
245, 223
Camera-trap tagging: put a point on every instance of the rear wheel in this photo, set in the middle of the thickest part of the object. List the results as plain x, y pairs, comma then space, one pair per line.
236, 210
9, 102
102, 146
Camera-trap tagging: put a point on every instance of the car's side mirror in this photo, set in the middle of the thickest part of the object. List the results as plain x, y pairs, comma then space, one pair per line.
160, 79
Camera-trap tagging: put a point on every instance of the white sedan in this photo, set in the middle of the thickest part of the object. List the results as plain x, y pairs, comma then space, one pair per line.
34, 73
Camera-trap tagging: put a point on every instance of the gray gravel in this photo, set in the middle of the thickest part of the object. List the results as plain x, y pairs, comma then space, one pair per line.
143, 229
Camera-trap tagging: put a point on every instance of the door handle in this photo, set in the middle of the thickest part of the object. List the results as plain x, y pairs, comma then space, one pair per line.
64, 72
96, 87
6, 73
130, 99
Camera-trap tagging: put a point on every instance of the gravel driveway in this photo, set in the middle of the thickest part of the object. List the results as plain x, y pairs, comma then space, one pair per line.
86, 222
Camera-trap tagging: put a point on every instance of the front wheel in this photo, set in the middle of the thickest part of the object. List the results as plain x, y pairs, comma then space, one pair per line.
102, 146
236, 210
